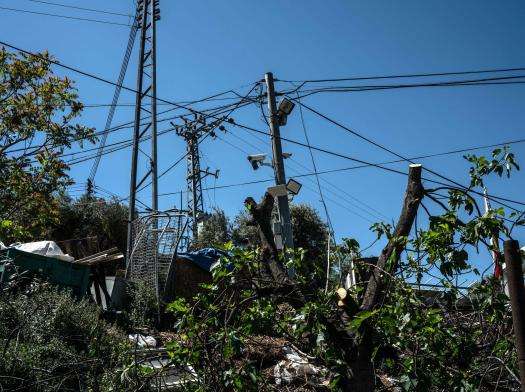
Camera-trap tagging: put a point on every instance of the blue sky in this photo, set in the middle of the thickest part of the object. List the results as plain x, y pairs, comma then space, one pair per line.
205, 47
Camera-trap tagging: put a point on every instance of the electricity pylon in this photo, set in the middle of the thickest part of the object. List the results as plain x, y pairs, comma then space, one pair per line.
145, 119
192, 131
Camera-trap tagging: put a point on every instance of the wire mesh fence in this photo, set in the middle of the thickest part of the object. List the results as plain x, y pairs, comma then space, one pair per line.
155, 240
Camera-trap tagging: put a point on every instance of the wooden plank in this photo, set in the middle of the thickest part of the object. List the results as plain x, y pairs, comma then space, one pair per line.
104, 252
103, 260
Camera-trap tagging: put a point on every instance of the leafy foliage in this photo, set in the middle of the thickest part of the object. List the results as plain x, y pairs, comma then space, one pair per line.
424, 340
51, 341
37, 114
92, 216
215, 231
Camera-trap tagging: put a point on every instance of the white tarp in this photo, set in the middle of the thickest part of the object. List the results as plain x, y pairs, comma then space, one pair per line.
44, 248
143, 341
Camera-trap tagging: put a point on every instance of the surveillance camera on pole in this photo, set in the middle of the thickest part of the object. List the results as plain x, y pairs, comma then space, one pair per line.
258, 160
278, 117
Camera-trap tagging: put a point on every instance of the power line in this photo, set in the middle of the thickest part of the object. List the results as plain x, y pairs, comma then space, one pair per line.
400, 76
424, 156
225, 186
376, 165
239, 104
81, 8
374, 213
464, 83
101, 79
116, 96
103, 105
127, 125
123, 144
295, 142
319, 192
64, 16
497, 199
314, 165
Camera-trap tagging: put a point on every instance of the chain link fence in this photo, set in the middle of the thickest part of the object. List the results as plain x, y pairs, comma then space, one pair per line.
155, 240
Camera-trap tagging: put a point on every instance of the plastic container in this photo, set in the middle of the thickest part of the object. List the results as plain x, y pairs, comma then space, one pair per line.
62, 273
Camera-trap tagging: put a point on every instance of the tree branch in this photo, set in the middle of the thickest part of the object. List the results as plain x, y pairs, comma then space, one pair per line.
389, 258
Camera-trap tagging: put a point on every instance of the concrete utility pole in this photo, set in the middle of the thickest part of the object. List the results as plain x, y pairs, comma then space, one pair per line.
517, 300
278, 163
148, 13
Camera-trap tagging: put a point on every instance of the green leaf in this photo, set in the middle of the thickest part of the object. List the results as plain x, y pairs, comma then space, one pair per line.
360, 317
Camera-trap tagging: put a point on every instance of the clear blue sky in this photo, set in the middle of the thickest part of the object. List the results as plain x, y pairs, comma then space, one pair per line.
208, 46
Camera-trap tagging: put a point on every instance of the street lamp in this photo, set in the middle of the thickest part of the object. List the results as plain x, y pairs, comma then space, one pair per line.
285, 108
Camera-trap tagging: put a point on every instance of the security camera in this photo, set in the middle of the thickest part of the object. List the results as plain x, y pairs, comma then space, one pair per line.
256, 160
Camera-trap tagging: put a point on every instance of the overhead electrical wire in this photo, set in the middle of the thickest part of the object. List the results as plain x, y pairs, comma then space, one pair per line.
64, 16
116, 95
132, 105
239, 104
225, 186
162, 100
369, 164
374, 211
353, 89
126, 125
451, 152
304, 185
108, 149
413, 75
359, 135
314, 165
494, 198
81, 8
93, 76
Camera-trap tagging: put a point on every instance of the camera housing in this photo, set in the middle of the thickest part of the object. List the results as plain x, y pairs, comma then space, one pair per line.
256, 160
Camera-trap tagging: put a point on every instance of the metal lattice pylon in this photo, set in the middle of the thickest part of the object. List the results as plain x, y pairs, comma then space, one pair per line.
192, 132
145, 119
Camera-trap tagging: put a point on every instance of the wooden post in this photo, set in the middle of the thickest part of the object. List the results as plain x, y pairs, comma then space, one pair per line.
517, 300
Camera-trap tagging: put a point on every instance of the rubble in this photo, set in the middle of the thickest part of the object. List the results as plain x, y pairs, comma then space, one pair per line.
297, 367
143, 341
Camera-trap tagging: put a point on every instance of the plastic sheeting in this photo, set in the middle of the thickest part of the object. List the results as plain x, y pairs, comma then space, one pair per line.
204, 258
43, 248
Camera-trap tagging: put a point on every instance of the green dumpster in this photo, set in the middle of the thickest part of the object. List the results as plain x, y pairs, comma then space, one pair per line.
62, 273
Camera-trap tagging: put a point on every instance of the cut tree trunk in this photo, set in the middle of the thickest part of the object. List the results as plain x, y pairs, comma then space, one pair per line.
387, 264
357, 352
262, 214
